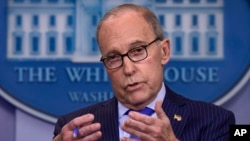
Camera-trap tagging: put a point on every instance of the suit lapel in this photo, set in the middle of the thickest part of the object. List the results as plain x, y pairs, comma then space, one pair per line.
174, 107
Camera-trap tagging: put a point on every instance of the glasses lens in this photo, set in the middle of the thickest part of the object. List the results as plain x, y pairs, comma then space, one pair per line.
113, 61
137, 54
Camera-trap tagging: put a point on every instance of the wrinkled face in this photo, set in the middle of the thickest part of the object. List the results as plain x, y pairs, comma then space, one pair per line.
135, 84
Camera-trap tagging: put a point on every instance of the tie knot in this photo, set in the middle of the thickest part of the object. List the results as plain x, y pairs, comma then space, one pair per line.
145, 111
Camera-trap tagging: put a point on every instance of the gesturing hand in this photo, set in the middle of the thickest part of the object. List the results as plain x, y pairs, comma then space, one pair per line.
149, 128
87, 130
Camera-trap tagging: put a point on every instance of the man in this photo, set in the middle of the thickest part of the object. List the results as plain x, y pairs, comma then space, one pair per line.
134, 52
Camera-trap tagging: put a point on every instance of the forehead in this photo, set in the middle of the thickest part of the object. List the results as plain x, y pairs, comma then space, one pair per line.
119, 31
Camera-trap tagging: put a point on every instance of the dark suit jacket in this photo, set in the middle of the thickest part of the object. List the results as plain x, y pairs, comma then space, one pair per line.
194, 120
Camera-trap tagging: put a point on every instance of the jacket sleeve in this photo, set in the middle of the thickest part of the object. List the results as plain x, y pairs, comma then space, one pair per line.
59, 125
219, 127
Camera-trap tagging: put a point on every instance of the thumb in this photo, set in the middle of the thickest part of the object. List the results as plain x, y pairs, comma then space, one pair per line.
159, 111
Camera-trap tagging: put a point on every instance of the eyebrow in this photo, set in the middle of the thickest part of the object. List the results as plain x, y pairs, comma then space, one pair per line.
137, 42
131, 45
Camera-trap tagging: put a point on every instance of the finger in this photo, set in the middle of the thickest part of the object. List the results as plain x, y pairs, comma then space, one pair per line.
131, 126
68, 129
159, 111
89, 129
143, 135
92, 137
141, 118
136, 128
81, 121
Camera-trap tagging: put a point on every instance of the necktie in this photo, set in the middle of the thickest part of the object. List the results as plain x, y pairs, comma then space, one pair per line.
145, 111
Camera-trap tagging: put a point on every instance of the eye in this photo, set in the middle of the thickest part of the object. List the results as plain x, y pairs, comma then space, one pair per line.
113, 57
137, 51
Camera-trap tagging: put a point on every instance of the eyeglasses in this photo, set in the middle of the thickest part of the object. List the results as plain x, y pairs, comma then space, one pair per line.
136, 54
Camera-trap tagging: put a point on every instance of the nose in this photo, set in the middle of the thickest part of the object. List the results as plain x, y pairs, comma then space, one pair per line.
128, 66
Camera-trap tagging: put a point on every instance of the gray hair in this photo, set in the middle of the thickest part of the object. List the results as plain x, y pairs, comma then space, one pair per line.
146, 13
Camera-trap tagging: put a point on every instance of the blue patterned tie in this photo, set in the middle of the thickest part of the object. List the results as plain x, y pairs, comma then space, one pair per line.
145, 111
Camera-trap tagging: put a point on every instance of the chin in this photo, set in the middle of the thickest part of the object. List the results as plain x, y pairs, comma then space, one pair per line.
138, 100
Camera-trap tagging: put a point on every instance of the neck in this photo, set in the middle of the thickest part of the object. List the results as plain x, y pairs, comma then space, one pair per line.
139, 105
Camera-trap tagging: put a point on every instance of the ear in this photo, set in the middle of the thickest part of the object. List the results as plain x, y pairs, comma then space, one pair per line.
165, 51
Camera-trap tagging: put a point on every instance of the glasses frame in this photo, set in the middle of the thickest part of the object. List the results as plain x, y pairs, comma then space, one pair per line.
127, 54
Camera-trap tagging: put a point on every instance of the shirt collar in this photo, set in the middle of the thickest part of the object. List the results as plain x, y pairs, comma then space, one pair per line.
160, 96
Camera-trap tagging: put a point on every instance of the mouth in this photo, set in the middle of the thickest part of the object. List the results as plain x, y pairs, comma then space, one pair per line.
133, 86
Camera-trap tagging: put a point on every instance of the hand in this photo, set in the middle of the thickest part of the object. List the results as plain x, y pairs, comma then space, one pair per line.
149, 128
87, 129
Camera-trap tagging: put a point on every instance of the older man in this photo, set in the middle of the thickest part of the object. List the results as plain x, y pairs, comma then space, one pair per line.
134, 52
